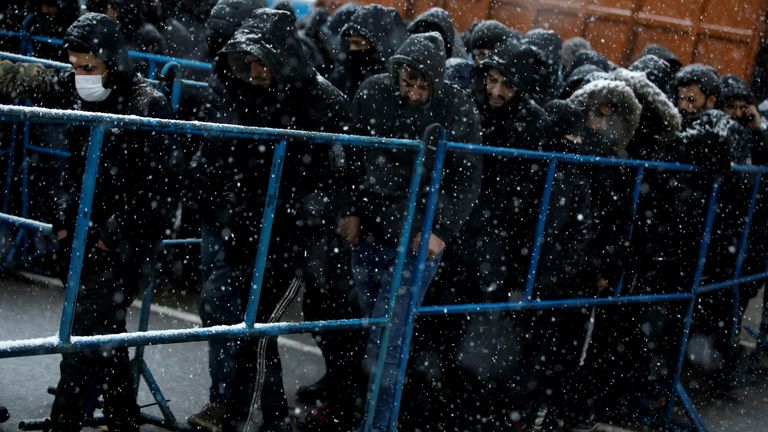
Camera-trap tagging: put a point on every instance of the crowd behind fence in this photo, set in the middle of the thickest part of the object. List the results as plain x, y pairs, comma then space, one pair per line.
22, 117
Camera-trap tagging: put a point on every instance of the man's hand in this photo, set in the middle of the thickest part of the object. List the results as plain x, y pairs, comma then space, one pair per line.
61, 234
434, 248
754, 117
101, 245
349, 230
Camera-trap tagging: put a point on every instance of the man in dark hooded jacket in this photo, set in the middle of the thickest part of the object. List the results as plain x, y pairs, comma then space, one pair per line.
483, 37
550, 83
402, 104
262, 79
367, 42
439, 20
134, 199
52, 19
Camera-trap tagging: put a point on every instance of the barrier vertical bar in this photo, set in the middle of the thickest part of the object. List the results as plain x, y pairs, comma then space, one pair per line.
10, 166
630, 232
704, 246
402, 250
538, 238
416, 288
267, 220
741, 257
81, 232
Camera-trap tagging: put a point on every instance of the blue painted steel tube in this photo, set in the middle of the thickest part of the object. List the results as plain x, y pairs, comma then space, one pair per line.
265, 235
28, 224
479, 308
397, 275
421, 257
690, 408
81, 232
705, 237
630, 232
28, 59
742, 280
52, 345
743, 244
9, 168
157, 394
54, 152
538, 239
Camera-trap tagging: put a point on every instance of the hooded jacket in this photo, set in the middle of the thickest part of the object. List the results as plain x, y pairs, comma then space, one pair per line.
330, 40
139, 171
704, 75
226, 17
550, 77
659, 118
232, 175
52, 26
385, 29
488, 34
626, 115
379, 110
665, 54
438, 20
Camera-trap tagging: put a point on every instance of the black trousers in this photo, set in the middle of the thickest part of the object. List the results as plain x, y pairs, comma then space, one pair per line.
107, 287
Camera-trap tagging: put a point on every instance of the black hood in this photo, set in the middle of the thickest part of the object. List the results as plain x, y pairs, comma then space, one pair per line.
548, 42
521, 65
588, 58
271, 36
665, 54
618, 95
657, 70
734, 88
100, 35
424, 52
571, 47
56, 25
226, 17
565, 118
436, 20
703, 75
382, 26
488, 34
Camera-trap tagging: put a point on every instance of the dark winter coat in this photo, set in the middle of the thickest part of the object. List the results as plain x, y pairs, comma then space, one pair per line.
488, 34
658, 71
232, 175
438, 20
665, 54
53, 26
329, 40
379, 110
139, 171
385, 29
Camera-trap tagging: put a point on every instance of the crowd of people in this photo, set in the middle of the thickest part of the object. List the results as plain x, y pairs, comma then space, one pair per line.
364, 70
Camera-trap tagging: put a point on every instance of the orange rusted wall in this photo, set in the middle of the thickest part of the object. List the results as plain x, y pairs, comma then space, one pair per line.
723, 33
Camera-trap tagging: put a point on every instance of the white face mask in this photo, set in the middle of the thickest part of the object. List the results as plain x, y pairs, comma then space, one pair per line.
89, 88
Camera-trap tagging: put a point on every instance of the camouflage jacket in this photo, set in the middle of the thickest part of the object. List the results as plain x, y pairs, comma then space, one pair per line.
24, 80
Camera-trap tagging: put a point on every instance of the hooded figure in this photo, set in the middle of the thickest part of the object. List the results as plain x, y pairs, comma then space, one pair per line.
612, 112
262, 78
659, 119
141, 35
589, 57
658, 71
483, 38
403, 103
384, 29
226, 17
52, 18
551, 81
438, 20
134, 200
571, 47
663, 53
330, 40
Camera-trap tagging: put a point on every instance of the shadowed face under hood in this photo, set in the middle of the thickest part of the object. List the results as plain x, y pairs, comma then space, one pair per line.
382, 26
521, 65
100, 35
425, 53
271, 36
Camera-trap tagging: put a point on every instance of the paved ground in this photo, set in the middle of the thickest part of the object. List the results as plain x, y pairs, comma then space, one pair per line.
31, 309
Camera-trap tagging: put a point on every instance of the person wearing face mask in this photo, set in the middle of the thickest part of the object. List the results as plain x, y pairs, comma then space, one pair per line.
369, 39
403, 103
262, 78
135, 198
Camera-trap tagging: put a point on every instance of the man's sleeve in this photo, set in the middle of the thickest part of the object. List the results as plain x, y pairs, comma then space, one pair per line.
24, 81
462, 176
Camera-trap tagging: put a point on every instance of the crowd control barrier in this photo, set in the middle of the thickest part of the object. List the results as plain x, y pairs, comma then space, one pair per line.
280, 139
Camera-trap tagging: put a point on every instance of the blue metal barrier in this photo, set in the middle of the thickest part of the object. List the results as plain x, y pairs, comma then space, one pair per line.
66, 342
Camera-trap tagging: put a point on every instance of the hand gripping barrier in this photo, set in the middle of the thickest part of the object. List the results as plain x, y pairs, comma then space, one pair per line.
64, 341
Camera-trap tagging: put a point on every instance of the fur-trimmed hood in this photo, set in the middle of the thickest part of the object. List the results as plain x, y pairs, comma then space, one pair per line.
620, 97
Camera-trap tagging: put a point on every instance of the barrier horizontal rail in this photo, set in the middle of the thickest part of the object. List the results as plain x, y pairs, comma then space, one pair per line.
84, 118
52, 345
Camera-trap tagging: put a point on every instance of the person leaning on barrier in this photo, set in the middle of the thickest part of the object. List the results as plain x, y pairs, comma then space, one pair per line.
261, 78
402, 104
134, 199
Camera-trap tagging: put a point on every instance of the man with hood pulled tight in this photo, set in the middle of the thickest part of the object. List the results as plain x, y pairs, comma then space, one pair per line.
134, 201
262, 78
403, 104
